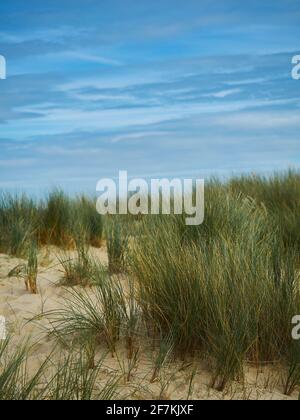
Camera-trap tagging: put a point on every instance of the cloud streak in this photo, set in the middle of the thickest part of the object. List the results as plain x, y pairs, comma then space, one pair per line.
162, 88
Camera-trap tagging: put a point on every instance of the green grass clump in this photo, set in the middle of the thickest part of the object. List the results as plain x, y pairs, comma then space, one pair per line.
84, 316
227, 288
58, 216
15, 382
117, 242
106, 314
19, 222
91, 221
31, 270
80, 269
292, 378
60, 377
280, 194
73, 379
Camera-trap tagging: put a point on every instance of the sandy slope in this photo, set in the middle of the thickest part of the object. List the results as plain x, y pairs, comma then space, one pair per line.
18, 306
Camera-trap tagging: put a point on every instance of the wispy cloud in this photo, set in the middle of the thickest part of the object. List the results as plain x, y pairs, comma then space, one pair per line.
16, 163
140, 136
260, 120
155, 87
222, 93
93, 58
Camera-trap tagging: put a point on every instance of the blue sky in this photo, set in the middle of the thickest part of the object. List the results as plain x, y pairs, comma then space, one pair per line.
158, 88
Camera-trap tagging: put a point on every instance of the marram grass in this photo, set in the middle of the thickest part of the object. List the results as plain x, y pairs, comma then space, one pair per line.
227, 289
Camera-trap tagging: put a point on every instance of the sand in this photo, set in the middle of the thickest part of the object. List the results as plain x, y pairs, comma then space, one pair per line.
19, 306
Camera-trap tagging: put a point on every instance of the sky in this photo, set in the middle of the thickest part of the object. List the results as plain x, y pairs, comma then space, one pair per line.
161, 88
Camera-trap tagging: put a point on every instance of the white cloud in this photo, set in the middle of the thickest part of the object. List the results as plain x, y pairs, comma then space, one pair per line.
222, 93
260, 120
69, 151
247, 81
15, 163
71, 119
138, 136
94, 58
95, 97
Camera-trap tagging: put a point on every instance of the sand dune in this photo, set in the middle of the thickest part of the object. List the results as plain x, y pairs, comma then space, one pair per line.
19, 306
